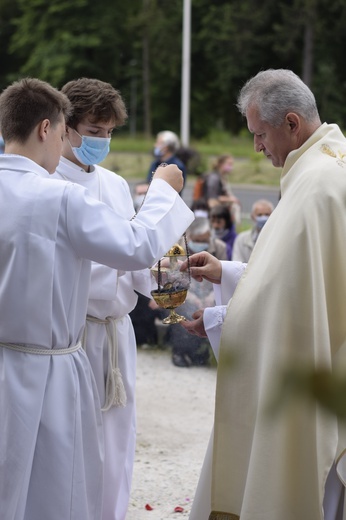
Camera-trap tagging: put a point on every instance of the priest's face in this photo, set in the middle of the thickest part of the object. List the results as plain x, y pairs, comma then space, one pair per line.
275, 142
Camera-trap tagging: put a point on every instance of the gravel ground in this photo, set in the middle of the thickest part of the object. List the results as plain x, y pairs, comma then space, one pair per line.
175, 408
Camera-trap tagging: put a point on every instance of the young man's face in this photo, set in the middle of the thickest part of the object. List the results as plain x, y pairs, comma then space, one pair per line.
98, 129
85, 127
274, 142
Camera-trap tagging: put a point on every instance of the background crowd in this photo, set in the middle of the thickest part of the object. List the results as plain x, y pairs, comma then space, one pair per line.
218, 229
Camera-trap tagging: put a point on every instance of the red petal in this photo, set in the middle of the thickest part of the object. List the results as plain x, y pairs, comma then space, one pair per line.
148, 507
178, 509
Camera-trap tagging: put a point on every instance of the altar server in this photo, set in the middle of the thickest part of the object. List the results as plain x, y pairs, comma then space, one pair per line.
108, 338
51, 442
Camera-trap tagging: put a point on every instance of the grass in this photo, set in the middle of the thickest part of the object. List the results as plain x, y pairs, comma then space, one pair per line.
131, 158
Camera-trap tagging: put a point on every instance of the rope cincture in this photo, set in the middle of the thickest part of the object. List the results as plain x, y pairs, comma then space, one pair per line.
115, 393
41, 351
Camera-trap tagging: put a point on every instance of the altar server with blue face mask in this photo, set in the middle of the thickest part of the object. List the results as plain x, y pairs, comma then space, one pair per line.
109, 339
89, 130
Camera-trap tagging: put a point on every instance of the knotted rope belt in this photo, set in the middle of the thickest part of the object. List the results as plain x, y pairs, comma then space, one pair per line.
42, 351
115, 394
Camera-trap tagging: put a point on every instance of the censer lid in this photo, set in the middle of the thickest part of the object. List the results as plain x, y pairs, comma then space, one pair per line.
176, 250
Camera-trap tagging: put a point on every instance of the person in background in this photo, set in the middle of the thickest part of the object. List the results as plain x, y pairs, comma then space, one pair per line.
200, 208
190, 350
282, 315
144, 319
246, 240
108, 337
166, 146
217, 188
223, 227
200, 238
144, 314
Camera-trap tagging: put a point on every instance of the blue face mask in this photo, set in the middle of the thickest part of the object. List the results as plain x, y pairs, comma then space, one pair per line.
92, 150
261, 220
197, 247
157, 152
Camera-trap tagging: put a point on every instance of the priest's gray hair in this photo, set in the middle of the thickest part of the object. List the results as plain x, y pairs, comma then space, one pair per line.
169, 139
199, 226
275, 93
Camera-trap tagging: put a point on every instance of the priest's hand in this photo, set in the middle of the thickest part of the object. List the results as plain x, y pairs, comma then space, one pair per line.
171, 174
196, 326
204, 266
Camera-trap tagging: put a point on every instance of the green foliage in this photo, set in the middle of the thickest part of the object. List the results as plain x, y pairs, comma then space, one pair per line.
131, 158
58, 40
218, 142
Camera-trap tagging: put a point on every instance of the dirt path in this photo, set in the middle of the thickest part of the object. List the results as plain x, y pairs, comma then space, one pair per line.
175, 408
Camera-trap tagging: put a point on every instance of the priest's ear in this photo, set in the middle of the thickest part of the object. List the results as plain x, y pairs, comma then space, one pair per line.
293, 121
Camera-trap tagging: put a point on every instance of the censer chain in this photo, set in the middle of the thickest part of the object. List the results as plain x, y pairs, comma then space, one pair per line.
159, 278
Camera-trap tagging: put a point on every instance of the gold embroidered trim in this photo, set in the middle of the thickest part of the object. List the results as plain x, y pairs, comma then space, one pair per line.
218, 515
339, 156
325, 148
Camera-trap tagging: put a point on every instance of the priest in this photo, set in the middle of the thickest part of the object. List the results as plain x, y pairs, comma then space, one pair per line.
284, 310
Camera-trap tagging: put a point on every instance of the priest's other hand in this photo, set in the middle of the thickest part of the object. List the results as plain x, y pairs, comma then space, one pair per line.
204, 266
171, 174
196, 326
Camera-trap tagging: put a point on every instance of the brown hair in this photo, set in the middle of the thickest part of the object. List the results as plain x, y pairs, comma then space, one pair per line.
220, 211
221, 159
25, 103
96, 99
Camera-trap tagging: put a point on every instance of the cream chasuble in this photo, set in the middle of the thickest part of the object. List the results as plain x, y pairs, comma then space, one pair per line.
289, 309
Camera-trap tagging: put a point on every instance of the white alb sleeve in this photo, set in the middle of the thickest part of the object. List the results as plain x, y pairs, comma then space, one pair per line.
214, 317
